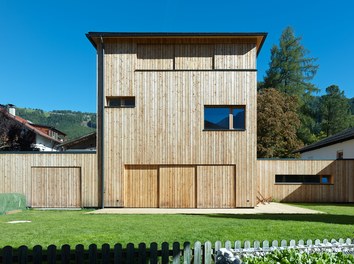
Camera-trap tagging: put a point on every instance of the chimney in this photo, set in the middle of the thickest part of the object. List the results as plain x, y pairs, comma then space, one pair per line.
12, 109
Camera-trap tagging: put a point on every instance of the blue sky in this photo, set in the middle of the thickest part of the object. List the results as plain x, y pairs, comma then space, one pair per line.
46, 62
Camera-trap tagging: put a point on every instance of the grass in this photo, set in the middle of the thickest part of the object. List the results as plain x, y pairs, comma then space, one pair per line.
76, 227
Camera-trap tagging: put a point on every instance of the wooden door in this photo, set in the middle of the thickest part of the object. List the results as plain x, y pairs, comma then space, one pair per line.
56, 187
177, 187
141, 186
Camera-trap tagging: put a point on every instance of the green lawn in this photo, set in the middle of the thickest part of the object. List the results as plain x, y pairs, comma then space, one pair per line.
76, 227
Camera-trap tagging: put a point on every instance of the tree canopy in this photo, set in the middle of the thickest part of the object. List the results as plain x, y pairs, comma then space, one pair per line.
277, 124
335, 111
290, 71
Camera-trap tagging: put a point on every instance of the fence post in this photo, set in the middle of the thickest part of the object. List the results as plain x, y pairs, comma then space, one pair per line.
165, 253
228, 245
118, 254
292, 243
7, 255
22, 254
197, 252
208, 252
106, 250
283, 243
52, 254
265, 245
187, 253
153, 253
79, 254
37, 254
247, 245
217, 246
309, 242
256, 245
176, 253
130, 253
65, 254
238, 246
92, 253
142, 253
275, 244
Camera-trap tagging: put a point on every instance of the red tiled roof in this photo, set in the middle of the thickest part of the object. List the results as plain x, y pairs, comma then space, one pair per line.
27, 124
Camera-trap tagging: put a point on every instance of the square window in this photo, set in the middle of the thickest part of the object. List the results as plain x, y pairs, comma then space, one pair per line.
224, 117
121, 101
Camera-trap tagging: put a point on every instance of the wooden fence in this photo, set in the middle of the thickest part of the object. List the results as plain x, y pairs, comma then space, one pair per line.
200, 253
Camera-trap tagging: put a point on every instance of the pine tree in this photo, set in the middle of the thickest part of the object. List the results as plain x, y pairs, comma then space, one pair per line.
290, 71
277, 123
335, 111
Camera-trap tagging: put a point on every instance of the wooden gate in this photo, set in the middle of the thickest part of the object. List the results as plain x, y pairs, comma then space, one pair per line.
56, 187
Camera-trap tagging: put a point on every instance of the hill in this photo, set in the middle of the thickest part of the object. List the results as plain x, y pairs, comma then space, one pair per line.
73, 123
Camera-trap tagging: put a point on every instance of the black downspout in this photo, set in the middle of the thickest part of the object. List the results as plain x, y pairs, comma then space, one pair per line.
100, 117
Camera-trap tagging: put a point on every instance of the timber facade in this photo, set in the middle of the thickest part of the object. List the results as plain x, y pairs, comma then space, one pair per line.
159, 149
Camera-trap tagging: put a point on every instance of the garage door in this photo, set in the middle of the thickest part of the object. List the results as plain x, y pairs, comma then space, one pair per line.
216, 186
141, 186
177, 187
56, 187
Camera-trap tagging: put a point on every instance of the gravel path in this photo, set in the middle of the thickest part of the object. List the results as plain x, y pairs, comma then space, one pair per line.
271, 208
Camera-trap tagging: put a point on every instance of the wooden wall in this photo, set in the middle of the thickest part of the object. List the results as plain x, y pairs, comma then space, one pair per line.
51, 180
177, 186
172, 80
342, 189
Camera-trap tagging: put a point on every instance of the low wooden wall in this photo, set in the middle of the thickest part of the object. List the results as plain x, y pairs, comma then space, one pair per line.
342, 189
60, 179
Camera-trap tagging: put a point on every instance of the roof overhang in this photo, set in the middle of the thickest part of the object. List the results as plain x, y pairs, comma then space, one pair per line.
96, 37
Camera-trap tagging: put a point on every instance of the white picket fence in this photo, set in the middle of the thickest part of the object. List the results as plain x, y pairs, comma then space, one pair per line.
206, 253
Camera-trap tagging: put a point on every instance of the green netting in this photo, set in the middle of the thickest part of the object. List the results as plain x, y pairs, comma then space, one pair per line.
12, 201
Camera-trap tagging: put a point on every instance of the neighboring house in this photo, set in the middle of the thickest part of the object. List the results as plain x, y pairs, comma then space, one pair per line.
87, 142
177, 119
338, 146
46, 137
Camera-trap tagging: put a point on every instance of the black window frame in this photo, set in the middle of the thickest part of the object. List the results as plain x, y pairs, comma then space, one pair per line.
303, 179
120, 101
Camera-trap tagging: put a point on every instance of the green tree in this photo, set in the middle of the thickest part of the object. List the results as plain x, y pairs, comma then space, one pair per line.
290, 71
277, 124
335, 111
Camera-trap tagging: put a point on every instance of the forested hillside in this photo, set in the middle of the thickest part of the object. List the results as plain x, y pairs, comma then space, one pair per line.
74, 124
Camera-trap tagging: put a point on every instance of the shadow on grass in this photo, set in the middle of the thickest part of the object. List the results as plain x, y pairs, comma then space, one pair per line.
320, 218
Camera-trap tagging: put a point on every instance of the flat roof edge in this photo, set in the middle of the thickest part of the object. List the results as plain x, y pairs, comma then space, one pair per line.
91, 35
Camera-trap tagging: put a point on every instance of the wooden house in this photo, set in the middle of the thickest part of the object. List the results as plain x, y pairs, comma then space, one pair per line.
177, 119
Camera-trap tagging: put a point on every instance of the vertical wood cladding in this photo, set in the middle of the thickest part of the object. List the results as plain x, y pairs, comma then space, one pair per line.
216, 186
58, 180
166, 125
56, 187
342, 172
141, 186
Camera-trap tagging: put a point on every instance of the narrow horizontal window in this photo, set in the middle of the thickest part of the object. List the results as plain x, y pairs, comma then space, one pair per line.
121, 101
303, 179
224, 117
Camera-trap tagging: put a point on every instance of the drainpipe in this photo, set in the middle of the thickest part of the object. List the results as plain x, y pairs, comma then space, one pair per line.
100, 116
